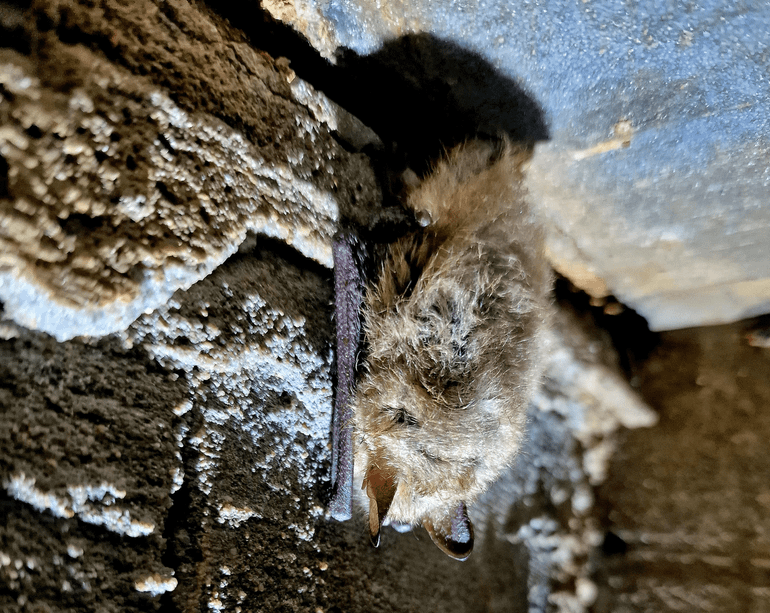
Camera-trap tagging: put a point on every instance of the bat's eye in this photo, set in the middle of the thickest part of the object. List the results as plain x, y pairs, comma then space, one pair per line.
401, 416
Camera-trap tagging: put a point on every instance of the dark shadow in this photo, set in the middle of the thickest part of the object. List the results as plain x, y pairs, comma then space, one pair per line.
628, 331
419, 93
5, 192
505, 570
14, 32
422, 95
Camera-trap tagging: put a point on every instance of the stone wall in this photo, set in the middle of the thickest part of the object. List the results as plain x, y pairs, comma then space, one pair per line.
655, 175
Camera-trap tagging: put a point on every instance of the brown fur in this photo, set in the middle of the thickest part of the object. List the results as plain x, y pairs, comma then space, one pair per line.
453, 327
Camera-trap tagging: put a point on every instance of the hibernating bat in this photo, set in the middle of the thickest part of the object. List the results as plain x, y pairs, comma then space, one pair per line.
452, 334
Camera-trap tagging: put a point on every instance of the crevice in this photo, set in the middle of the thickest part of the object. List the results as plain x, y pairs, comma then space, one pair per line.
14, 30
265, 245
5, 192
628, 331
613, 544
182, 529
81, 224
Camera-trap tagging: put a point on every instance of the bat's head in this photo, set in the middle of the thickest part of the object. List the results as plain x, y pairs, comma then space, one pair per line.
411, 469
452, 328
434, 425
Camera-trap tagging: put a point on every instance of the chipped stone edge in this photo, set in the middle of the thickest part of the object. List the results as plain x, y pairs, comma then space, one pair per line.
35, 307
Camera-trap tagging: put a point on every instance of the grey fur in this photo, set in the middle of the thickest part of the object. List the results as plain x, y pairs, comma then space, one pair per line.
453, 327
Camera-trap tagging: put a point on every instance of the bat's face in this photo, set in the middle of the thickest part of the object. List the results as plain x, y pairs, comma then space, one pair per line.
430, 431
402, 424
415, 466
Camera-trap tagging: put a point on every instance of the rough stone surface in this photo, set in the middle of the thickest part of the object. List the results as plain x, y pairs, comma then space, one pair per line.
89, 460
655, 175
541, 515
689, 502
239, 376
115, 194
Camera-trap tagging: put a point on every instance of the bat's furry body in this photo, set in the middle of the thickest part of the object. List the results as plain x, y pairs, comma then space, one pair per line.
453, 327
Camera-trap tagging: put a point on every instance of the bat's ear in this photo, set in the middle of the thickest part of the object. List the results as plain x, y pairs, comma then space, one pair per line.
380, 486
452, 532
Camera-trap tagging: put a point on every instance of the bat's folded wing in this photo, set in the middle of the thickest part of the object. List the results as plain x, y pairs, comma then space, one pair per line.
348, 296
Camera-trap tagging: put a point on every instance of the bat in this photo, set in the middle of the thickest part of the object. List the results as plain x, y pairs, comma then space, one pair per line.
452, 327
